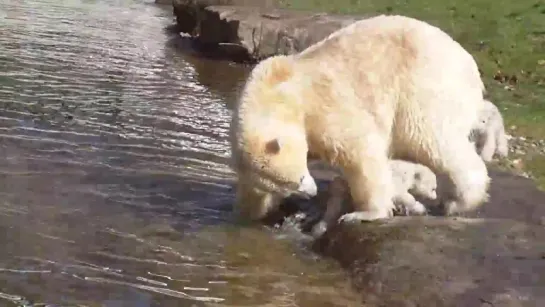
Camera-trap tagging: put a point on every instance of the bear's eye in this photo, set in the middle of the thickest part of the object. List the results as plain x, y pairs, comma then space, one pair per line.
272, 147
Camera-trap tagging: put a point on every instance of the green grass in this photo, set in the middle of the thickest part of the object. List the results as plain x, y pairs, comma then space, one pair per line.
506, 37
537, 165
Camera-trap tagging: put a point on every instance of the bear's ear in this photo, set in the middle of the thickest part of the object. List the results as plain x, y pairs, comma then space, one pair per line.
272, 147
280, 70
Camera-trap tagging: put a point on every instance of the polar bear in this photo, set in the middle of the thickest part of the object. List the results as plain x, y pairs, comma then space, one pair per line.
381, 88
410, 180
488, 134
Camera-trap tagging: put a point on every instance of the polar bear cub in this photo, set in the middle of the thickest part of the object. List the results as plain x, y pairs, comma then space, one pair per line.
410, 180
488, 134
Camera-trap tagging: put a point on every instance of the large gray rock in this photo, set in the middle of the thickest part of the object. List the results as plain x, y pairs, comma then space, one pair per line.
433, 261
492, 257
259, 31
189, 12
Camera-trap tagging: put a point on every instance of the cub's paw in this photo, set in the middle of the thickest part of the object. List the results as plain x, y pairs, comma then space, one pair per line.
451, 208
416, 208
365, 216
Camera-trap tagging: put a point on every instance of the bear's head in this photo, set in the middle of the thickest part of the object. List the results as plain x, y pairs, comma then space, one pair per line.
425, 183
486, 116
481, 126
269, 144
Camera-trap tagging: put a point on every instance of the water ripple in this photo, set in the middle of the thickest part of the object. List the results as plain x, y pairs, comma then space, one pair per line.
114, 185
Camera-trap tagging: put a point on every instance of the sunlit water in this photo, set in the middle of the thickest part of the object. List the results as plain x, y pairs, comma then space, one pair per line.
114, 189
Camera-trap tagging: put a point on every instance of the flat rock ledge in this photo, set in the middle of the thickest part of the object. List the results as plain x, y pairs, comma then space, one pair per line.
436, 261
253, 30
494, 256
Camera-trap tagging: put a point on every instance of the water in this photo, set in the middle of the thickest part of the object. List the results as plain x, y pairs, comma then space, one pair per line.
114, 189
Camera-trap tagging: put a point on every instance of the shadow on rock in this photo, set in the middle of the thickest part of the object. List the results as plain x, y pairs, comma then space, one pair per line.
513, 197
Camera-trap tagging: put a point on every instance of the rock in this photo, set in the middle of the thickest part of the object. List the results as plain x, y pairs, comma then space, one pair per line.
164, 2
431, 261
188, 12
494, 256
259, 31
248, 3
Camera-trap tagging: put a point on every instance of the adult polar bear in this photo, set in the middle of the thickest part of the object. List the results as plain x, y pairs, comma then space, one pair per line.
380, 88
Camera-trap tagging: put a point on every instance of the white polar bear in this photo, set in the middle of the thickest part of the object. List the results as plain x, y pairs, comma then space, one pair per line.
410, 179
488, 134
380, 88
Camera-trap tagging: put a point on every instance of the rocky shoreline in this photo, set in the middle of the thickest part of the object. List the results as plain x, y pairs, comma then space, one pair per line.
248, 31
493, 257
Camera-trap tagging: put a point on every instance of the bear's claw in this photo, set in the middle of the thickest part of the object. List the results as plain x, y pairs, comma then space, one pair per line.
364, 216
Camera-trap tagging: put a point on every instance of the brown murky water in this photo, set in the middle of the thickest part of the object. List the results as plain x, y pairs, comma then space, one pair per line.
114, 189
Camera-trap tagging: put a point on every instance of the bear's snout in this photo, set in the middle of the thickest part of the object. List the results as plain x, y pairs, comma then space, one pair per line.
307, 186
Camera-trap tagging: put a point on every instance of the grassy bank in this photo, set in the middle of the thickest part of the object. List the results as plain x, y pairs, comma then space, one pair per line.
506, 37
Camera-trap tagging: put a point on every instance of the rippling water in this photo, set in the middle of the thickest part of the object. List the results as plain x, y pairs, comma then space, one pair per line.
114, 189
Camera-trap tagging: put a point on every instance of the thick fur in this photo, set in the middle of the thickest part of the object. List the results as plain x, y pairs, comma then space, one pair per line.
410, 180
380, 88
488, 134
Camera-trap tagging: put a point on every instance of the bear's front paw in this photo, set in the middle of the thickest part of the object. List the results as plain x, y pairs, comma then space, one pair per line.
364, 216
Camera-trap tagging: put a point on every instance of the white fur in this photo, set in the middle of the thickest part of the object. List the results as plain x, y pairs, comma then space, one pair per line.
410, 180
384, 87
488, 134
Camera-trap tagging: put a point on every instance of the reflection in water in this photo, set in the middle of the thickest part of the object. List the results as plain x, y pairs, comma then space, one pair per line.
114, 189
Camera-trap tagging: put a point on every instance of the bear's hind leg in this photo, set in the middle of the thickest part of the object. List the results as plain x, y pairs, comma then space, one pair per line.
467, 177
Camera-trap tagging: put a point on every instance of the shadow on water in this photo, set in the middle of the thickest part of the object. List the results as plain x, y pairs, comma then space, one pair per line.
114, 188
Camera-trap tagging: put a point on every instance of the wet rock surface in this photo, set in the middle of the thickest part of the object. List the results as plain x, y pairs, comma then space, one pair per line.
253, 30
434, 261
492, 257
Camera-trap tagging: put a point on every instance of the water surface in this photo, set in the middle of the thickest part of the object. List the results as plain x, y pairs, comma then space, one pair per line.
114, 189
